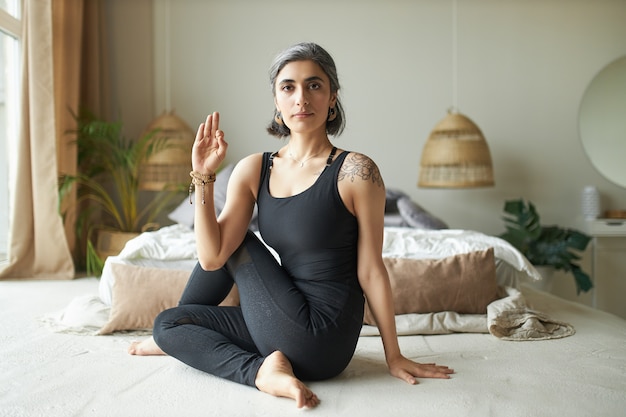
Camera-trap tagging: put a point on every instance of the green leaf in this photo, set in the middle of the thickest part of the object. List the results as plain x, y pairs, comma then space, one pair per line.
93, 261
545, 245
109, 169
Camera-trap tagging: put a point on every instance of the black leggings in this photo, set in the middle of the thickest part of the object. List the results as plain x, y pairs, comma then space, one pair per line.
232, 342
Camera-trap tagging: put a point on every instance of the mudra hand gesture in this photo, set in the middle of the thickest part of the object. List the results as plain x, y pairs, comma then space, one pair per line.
209, 147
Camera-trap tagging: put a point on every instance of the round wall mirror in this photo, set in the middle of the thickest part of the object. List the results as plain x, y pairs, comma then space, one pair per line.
602, 121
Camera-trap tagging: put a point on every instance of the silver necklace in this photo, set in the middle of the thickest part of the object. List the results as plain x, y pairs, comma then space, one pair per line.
299, 161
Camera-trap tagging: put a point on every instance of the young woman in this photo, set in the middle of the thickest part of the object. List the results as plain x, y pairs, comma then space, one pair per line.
321, 209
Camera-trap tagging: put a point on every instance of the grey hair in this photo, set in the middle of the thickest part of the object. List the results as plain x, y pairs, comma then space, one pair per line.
302, 52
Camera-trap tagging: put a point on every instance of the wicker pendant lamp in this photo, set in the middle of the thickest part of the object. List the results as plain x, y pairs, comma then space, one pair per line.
456, 155
170, 166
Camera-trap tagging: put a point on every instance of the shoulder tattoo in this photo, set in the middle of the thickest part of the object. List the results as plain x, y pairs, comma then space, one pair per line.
357, 165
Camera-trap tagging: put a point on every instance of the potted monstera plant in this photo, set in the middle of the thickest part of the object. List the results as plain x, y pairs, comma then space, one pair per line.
550, 246
108, 180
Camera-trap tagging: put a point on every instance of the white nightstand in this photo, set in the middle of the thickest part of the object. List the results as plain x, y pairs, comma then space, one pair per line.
608, 267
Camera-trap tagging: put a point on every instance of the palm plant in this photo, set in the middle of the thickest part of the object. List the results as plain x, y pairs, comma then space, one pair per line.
545, 245
108, 178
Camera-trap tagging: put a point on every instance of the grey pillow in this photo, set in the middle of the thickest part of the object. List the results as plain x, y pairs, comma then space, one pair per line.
391, 200
417, 217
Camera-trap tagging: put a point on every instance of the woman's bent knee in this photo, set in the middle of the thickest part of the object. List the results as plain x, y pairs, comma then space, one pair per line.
162, 322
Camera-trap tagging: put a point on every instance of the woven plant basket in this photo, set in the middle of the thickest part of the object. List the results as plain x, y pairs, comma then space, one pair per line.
170, 166
111, 242
456, 154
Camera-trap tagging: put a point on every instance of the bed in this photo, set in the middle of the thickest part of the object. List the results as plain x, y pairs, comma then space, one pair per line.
559, 358
517, 351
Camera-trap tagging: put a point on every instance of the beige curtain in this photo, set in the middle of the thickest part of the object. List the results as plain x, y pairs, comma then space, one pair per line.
80, 80
67, 19
63, 64
37, 247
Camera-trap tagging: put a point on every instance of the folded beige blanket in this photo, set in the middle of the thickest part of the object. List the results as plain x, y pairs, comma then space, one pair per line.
508, 318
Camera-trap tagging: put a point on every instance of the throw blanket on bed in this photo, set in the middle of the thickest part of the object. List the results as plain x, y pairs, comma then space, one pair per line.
508, 318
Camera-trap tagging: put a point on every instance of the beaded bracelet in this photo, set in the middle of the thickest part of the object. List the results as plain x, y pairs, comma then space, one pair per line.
200, 179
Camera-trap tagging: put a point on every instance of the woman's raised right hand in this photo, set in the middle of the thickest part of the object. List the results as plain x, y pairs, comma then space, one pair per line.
209, 147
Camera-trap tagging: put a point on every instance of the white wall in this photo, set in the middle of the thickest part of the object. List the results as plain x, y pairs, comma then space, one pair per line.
523, 67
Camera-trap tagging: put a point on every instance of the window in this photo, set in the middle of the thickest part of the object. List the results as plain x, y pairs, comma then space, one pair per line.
10, 31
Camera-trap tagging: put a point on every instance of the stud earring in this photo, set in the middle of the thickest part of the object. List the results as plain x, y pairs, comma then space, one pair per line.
332, 114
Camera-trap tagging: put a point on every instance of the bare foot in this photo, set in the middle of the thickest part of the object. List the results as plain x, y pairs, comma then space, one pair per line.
276, 377
145, 348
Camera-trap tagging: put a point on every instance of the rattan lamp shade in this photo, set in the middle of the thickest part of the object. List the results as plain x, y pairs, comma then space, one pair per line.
170, 166
456, 155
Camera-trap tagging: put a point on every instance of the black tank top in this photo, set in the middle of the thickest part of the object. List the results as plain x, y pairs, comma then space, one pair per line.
313, 232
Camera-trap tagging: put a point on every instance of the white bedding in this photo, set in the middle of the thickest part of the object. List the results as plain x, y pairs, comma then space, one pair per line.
173, 247
43, 373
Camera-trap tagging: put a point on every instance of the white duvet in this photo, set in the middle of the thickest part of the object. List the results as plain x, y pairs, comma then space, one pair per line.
177, 242
170, 243
174, 247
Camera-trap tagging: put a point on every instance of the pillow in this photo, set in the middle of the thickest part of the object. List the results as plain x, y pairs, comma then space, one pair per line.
416, 216
391, 198
184, 213
435, 244
140, 294
463, 283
